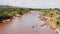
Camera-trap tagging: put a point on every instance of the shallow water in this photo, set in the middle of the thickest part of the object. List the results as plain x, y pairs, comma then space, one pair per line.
26, 24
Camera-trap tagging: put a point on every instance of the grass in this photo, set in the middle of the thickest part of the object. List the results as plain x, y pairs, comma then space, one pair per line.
10, 12
53, 14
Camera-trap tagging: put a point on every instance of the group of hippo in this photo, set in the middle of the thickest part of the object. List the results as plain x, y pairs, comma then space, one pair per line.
4, 17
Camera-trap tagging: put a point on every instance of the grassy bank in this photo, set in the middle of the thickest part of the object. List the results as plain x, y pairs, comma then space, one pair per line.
52, 15
52, 18
8, 13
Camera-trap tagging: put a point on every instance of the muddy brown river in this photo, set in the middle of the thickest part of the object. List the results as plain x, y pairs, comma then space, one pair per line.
26, 24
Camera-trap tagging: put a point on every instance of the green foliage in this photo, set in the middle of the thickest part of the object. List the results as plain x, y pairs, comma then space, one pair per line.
12, 11
58, 22
54, 15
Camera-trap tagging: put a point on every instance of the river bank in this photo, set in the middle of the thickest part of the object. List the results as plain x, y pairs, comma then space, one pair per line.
51, 24
26, 24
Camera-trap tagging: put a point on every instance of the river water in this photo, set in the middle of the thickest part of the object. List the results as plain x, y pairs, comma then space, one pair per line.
26, 24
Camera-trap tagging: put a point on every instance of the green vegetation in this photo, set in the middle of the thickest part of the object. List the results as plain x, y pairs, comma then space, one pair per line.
52, 14
12, 11
58, 22
8, 12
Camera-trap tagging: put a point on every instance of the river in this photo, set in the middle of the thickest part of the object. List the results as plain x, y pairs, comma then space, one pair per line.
26, 24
